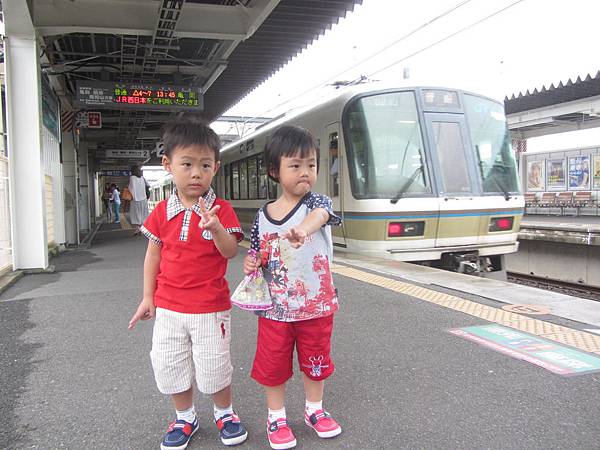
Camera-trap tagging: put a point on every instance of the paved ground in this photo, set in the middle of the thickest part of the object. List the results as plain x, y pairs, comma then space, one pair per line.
73, 377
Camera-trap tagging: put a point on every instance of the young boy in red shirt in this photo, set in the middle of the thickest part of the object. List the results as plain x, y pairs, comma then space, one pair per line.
191, 236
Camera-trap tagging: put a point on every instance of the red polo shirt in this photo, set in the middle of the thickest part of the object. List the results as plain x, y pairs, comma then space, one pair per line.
191, 278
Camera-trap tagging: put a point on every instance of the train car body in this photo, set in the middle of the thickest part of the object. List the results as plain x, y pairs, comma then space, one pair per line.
416, 173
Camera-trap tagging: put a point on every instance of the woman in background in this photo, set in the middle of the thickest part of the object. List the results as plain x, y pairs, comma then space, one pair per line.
139, 204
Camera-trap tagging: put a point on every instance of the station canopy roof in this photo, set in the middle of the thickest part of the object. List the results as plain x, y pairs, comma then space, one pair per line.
569, 106
225, 48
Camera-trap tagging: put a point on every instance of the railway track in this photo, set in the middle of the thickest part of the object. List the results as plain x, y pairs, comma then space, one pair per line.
574, 290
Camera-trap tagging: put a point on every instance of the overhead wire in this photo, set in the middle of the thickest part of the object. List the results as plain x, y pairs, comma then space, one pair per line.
419, 28
402, 38
468, 27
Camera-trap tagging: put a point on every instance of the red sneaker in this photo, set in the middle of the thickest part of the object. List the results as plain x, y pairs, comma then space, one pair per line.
280, 435
323, 424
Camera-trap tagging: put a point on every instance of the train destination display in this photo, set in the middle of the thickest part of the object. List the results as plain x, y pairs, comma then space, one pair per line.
138, 96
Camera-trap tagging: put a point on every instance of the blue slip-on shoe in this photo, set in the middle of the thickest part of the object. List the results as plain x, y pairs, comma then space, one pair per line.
179, 434
231, 429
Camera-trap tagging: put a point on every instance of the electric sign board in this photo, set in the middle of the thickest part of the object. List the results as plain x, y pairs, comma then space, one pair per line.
100, 94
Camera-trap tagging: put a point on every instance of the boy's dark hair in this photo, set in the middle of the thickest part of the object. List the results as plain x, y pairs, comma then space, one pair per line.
186, 130
289, 140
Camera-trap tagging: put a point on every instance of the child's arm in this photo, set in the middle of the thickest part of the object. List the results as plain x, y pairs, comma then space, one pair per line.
146, 308
311, 224
225, 242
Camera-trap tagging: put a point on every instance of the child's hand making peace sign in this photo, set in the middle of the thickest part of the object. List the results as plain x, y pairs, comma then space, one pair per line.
209, 219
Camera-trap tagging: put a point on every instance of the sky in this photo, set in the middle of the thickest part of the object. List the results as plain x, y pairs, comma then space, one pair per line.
496, 48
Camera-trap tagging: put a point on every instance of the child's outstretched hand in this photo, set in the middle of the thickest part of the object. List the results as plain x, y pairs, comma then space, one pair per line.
145, 311
209, 220
251, 263
296, 237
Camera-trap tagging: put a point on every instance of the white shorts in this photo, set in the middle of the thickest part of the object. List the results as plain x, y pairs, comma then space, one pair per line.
188, 346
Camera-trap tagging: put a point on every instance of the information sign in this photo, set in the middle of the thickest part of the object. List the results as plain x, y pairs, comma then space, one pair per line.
50, 109
115, 173
554, 357
88, 119
99, 94
134, 154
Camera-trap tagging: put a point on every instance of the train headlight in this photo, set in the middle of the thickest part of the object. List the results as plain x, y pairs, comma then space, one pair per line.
405, 229
501, 223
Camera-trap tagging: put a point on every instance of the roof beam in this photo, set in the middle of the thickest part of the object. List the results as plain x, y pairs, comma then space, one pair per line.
138, 17
17, 18
547, 112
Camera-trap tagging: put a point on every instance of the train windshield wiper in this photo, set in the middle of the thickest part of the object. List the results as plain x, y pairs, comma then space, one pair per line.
504, 191
502, 187
405, 186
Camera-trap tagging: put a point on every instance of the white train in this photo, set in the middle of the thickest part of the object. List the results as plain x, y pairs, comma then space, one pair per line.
417, 174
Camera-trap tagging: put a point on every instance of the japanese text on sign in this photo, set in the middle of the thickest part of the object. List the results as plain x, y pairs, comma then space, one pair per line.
141, 96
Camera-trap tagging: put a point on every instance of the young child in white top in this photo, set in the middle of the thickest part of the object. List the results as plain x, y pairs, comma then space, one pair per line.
292, 236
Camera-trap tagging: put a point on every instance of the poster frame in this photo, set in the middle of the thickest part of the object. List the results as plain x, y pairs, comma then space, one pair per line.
563, 185
542, 176
573, 162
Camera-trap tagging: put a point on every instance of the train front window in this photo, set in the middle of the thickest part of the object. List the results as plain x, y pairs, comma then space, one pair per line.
451, 153
491, 141
385, 146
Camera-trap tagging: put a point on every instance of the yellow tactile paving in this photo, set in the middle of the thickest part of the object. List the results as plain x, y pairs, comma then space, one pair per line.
563, 335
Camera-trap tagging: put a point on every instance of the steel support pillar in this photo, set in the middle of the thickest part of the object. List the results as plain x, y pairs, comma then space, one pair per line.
69, 158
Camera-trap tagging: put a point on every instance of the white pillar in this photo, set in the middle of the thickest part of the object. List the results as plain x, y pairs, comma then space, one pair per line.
97, 202
24, 124
70, 182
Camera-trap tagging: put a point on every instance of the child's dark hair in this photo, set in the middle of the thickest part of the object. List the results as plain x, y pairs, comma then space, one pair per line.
187, 130
288, 141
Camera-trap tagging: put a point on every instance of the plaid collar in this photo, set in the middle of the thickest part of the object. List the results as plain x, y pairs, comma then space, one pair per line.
174, 205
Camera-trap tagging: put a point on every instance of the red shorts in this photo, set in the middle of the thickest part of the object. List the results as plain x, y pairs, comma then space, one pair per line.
275, 349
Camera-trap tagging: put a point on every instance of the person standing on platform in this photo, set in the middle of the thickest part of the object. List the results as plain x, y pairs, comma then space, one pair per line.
138, 186
115, 201
106, 202
292, 238
191, 236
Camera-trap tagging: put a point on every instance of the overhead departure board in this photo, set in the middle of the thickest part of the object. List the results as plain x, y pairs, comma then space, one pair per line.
100, 94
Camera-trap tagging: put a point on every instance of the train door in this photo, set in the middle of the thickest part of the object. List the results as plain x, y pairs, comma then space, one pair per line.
458, 224
335, 174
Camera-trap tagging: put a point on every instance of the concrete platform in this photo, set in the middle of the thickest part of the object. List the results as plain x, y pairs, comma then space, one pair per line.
74, 377
582, 230
587, 312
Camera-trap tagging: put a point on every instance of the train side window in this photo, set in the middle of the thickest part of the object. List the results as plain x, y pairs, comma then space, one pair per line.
252, 178
334, 168
235, 181
244, 179
262, 177
272, 189
227, 172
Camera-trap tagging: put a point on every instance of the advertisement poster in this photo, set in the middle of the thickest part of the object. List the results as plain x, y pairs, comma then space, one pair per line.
579, 173
535, 175
597, 172
556, 174
557, 358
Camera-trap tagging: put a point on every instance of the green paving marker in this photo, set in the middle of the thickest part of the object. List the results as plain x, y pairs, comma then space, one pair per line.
554, 357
